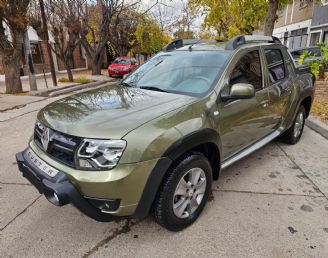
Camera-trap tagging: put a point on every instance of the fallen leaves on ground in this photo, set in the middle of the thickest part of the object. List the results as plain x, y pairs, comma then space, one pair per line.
320, 108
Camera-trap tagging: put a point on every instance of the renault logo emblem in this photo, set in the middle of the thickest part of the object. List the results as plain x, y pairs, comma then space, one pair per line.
45, 138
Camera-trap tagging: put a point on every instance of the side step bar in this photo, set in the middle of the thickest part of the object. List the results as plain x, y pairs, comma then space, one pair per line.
245, 152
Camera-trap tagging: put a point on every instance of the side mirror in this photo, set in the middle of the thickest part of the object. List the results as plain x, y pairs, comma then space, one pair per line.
239, 91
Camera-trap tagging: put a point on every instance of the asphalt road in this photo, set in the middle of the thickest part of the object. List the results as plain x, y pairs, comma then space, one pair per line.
273, 203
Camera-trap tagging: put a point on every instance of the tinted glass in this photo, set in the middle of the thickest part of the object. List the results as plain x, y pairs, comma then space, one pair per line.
121, 61
297, 53
315, 51
186, 72
276, 65
248, 70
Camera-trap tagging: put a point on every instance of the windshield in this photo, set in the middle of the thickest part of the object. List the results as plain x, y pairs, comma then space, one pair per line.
185, 72
121, 61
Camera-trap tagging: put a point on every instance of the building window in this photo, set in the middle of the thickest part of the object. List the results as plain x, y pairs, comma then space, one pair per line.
325, 38
303, 3
315, 38
36, 53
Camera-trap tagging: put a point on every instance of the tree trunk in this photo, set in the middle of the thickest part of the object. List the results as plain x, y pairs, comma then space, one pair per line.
271, 17
69, 71
12, 76
97, 62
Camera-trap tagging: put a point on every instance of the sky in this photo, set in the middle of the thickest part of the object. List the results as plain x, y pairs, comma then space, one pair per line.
175, 7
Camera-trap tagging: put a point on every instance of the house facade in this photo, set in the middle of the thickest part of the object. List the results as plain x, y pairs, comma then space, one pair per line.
40, 56
302, 23
294, 22
319, 25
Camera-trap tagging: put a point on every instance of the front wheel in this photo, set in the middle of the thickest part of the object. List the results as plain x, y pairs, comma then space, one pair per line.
184, 193
294, 133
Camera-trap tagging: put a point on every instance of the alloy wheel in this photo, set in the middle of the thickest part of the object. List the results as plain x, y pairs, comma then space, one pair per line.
189, 193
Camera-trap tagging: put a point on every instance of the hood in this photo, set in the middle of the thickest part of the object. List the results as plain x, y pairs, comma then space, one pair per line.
109, 112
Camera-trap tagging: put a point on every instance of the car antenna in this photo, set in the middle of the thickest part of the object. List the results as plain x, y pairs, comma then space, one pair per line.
190, 47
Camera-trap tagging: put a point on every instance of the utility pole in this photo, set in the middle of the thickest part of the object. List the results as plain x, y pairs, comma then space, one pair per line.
29, 62
51, 60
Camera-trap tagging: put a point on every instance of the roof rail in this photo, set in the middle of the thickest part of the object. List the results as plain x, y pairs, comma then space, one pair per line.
184, 42
240, 40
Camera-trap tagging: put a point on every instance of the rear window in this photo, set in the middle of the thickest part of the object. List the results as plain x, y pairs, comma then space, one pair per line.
276, 65
315, 51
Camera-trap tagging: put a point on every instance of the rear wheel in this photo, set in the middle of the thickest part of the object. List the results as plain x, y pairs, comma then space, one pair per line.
184, 193
294, 133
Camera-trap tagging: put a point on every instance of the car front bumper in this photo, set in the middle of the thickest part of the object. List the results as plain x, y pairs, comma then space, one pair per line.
118, 73
120, 189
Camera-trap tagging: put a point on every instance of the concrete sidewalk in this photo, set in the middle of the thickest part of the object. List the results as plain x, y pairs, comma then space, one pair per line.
10, 102
45, 82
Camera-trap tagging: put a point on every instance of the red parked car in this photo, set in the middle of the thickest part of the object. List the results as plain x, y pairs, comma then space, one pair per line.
122, 65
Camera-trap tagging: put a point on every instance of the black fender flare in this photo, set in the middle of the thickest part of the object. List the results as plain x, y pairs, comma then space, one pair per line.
178, 148
189, 141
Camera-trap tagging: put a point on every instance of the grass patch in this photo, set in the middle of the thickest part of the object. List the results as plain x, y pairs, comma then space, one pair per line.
320, 108
81, 80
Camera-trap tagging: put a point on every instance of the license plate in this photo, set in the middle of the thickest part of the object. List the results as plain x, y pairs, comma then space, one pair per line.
39, 163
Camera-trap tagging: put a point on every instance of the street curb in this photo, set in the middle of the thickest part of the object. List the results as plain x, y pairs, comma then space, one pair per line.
317, 126
65, 89
75, 88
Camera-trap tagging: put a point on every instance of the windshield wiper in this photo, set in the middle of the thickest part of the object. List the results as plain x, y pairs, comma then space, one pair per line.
152, 88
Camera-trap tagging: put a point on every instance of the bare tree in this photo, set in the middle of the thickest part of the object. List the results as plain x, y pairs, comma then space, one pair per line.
65, 23
184, 23
122, 32
164, 15
97, 20
13, 24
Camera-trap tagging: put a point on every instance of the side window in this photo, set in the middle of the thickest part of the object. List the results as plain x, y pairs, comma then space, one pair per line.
248, 70
276, 65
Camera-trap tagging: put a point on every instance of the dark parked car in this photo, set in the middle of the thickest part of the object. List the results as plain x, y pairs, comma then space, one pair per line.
313, 50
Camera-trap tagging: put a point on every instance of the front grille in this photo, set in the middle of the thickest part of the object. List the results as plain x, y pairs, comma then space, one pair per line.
61, 147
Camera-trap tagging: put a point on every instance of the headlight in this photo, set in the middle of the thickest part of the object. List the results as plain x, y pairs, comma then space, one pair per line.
100, 154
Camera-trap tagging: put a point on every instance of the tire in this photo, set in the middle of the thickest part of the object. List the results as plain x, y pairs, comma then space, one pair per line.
294, 133
110, 76
197, 195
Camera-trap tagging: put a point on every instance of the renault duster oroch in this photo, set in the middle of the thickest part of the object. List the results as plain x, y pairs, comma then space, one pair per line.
156, 141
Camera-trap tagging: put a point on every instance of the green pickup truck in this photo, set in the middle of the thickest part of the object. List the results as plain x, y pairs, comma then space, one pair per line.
155, 141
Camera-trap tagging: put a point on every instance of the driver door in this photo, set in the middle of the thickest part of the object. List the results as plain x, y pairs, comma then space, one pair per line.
243, 121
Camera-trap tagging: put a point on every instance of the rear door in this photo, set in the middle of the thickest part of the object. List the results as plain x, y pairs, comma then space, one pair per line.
278, 80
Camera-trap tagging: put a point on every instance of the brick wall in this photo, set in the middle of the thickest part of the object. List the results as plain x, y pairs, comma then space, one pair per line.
321, 89
78, 62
